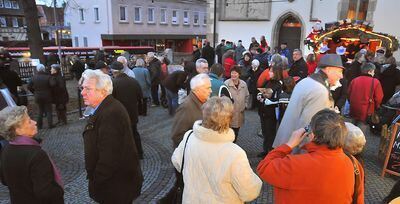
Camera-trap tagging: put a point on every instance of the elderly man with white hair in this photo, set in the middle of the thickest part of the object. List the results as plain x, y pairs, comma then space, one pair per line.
126, 69
111, 158
190, 110
41, 86
202, 66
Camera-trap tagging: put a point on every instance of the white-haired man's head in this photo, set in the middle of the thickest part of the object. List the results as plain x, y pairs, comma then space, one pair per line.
40, 68
255, 64
201, 87
202, 66
96, 87
123, 60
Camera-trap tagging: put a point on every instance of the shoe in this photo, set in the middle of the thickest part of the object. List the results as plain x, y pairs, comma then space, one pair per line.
262, 154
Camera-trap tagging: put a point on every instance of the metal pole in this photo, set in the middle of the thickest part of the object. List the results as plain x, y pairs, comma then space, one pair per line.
215, 24
58, 41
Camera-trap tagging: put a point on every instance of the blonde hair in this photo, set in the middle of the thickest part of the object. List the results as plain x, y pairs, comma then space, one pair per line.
355, 140
217, 113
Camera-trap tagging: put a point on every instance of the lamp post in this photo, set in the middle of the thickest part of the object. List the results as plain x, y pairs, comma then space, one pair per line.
57, 40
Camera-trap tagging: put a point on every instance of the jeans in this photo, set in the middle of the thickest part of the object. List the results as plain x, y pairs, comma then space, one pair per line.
172, 101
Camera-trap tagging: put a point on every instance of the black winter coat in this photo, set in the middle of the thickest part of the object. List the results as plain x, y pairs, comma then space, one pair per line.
299, 68
339, 95
208, 53
353, 71
11, 80
175, 81
127, 91
78, 68
389, 78
196, 55
28, 173
111, 158
268, 111
41, 85
155, 70
60, 93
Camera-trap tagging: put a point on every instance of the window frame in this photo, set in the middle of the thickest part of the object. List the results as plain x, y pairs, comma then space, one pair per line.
194, 18
140, 14
76, 41
153, 9
125, 14
1, 4
165, 16
85, 41
186, 20
14, 5
81, 15
177, 17
14, 22
9, 4
204, 19
5, 22
96, 12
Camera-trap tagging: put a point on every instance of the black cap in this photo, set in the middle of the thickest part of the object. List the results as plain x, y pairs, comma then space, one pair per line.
117, 65
100, 64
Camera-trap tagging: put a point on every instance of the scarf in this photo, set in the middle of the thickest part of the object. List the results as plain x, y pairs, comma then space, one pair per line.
22, 140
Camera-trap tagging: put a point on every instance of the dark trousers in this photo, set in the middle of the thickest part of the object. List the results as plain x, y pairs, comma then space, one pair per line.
236, 131
143, 107
61, 113
138, 141
268, 129
44, 108
172, 102
154, 93
163, 92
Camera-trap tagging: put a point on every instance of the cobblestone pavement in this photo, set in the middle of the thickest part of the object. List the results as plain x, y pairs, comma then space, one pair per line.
65, 145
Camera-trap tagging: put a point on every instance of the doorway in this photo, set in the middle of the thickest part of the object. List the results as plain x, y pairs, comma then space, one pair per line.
290, 32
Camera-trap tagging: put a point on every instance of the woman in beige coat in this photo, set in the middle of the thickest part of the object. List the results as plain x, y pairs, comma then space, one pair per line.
240, 95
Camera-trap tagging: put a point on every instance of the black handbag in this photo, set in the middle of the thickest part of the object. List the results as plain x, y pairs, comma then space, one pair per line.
176, 193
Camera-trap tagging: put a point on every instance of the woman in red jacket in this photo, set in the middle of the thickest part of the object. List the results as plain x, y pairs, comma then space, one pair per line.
229, 62
324, 174
365, 95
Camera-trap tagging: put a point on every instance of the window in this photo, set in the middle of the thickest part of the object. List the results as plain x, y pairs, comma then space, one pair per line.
96, 14
357, 9
7, 3
122, 14
3, 22
1, 4
82, 15
150, 15
14, 5
138, 14
185, 17
85, 42
204, 19
196, 18
163, 15
175, 17
14, 21
76, 39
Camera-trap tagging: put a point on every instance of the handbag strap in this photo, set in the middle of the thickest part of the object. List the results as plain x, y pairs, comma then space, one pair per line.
184, 148
370, 95
356, 177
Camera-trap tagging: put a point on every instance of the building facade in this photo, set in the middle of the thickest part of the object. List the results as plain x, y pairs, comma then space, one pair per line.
175, 24
50, 26
12, 23
291, 21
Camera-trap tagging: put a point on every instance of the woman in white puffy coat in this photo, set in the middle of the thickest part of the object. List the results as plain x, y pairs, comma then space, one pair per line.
215, 169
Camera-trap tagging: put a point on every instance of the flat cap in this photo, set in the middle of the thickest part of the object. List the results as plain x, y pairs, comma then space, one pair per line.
117, 65
330, 60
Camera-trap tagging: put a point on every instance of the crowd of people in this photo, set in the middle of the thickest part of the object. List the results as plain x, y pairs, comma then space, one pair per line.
307, 144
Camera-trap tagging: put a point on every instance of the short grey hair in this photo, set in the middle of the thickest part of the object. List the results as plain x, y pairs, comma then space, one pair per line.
298, 50
140, 62
276, 59
285, 62
329, 129
201, 61
103, 81
40, 68
217, 113
199, 80
123, 60
10, 119
355, 139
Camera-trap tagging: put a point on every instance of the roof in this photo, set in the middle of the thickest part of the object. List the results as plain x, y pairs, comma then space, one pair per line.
47, 15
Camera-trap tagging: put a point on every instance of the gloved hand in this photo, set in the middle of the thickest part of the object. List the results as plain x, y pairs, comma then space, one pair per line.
269, 102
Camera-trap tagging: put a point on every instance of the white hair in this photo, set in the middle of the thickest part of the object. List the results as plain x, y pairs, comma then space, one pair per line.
103, 81
139, 62
255, 62
123, 60
199, 80
150, 54
40, 68
201, 61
